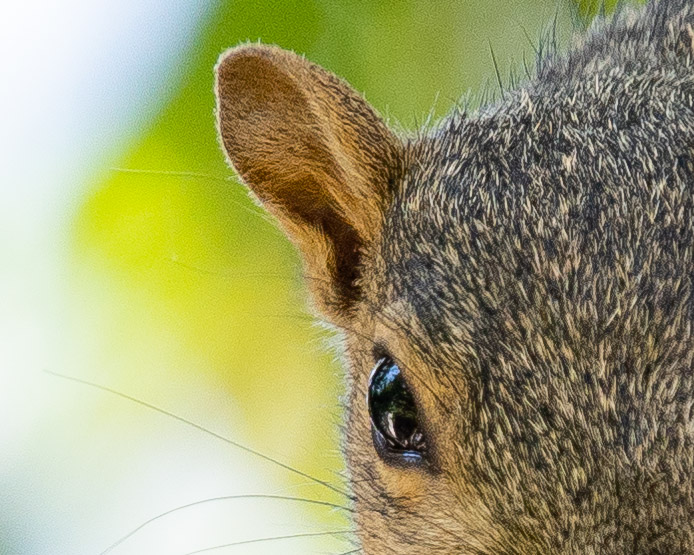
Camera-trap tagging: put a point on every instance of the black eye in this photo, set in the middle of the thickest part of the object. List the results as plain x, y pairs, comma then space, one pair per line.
393, 412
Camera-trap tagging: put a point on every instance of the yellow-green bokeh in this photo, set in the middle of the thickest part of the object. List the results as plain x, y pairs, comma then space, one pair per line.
173, 255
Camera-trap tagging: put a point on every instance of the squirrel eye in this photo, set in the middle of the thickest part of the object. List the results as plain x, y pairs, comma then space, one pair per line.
394, 421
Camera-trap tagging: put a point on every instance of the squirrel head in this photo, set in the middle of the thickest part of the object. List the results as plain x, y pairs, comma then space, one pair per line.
515, 293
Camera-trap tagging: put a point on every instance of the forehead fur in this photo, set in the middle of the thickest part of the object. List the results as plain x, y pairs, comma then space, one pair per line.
544, 249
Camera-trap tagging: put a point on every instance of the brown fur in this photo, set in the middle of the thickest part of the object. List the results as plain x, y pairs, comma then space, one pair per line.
530, 269
317, 155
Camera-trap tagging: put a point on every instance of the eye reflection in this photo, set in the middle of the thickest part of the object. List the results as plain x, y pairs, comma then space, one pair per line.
393, 410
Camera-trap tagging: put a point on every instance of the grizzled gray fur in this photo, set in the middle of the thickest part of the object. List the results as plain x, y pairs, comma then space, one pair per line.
530, 269
547, 248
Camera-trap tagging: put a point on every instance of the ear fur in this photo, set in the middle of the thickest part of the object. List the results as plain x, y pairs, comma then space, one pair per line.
316, 155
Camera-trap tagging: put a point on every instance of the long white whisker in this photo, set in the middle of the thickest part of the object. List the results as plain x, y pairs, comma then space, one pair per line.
270, 539
202, 429
213, 500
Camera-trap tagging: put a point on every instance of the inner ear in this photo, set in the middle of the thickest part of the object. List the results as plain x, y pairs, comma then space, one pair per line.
316, 154
331, 248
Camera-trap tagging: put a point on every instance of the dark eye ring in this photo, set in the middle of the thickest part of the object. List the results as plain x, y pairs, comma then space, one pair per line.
397, 434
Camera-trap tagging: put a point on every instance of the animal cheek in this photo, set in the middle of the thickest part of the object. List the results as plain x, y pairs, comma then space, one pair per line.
407, 489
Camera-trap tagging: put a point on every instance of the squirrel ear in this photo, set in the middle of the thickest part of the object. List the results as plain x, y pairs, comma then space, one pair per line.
316, 154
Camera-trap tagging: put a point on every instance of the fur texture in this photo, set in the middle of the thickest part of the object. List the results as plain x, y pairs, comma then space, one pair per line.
532, 273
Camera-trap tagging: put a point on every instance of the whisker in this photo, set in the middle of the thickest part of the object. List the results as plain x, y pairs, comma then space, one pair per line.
386, 321
173, 173
202, 429
262, 214
300, 486
213, 500
270, 539
302, 316
230, 275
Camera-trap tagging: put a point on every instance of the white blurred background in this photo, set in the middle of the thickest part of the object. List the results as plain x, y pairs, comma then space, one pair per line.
164, 283
80, 468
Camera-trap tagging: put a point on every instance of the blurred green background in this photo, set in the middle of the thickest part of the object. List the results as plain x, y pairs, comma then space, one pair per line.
132, 258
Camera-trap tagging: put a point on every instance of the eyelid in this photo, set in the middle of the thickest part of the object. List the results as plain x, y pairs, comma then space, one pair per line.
380, 351
404, 459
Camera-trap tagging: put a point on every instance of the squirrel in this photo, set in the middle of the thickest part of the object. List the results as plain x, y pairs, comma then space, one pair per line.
514, 289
